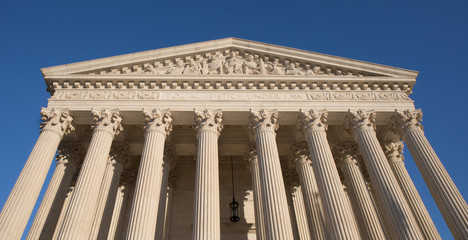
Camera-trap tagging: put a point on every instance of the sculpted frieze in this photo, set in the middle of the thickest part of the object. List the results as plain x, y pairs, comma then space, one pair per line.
79, 94
232, 62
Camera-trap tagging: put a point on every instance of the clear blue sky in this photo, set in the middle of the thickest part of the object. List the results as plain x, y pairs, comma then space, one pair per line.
427, 36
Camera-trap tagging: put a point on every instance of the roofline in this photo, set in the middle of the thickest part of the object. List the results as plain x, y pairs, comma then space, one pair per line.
149, 55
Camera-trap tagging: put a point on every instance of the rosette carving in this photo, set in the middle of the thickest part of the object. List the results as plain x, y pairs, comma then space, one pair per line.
108, 120
394, 151
360, 120
313, 120
263, 120
58, 120
157, 120
208, 120
407, 121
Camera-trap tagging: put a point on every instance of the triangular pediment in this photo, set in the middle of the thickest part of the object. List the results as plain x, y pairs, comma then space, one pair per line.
229, 56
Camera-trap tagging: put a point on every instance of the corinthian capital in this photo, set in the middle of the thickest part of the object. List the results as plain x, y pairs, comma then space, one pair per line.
394, 151
299, 154
57, 120
313, 120
251, 154
407, 121
360, 120
347, 153
157, 120
119, 153
207, 120
70, 153
108, 120
263, 121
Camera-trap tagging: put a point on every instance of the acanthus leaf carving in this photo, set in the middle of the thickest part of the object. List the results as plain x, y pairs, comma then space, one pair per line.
108, 120
394, 151
263, 120
313, 120
70, 153
57, 120
360, 120
207, 120
299, 154
347, 153
158, 120
407, 121
251, 154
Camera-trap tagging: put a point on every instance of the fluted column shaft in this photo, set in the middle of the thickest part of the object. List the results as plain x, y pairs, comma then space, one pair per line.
119, 210
395, 159
161, 222
276, 216
206, 225
20, 203
48, 213
252, 158
366, 214
310, 192
63, 211
397, 216
336, 209
80, 214
107, 192
446, 195
143, 217
303, 225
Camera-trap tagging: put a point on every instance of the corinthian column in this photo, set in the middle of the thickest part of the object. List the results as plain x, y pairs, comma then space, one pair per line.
206, 208
143, 217
80, 213
336, 208
252, 159
364, 208
446, 195
110, 182
396, 214
20, 203
162, 211
276, 215
310, 192
394, 151
68, 158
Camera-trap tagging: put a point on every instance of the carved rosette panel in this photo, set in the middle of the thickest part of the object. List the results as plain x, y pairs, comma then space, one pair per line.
313, 120
394, 151
57, 120
208, 120
107, 120
407, 121
157, 120
360, 121
263, 120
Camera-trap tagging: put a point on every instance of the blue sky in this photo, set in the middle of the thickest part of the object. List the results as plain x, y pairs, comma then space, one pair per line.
427, 36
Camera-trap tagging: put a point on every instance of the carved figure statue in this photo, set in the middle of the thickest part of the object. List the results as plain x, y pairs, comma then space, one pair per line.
250, 66
214, 65
317, 70
204, 67
232, 65
292, 70
176, 69
192, 68
274, 68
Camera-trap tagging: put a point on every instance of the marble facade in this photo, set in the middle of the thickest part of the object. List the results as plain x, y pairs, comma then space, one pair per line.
145, 140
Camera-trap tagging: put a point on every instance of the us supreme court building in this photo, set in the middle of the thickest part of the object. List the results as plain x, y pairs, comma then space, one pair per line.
163, 144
